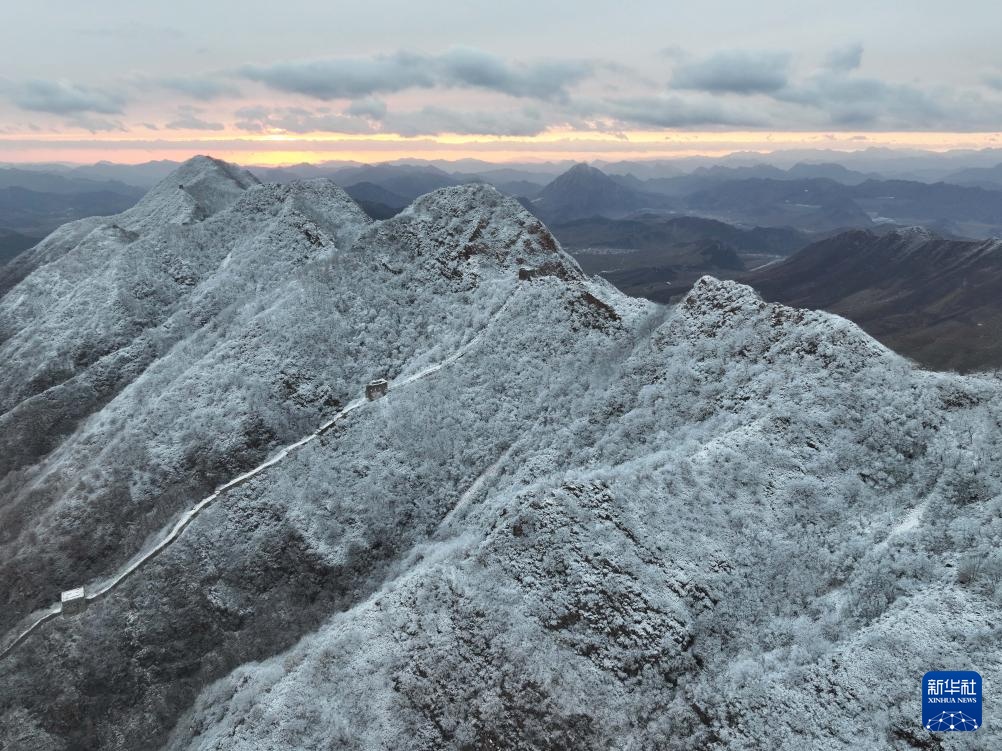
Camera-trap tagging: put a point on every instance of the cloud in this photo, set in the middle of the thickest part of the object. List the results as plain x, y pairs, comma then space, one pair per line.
373, 118
835, 95
735, 73
430, 121
64, 98
845, 58
853, 101
203, 88
353, 78
188, 118
347, 78
370, 107
547, 80
252, 119
300, 120
675, 111
96, 124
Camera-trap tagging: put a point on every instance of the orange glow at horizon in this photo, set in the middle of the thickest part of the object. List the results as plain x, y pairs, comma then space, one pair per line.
283, 148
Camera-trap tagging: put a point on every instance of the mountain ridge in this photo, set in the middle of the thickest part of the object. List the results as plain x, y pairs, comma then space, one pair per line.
587, 521
931, 298
177, 292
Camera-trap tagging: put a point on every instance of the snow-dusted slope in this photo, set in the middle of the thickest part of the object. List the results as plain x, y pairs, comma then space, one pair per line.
199, 350
199, 188
590, 522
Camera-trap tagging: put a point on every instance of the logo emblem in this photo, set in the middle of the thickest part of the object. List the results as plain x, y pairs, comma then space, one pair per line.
951, 701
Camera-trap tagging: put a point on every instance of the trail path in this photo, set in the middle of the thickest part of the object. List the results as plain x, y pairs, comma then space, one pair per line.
101, 588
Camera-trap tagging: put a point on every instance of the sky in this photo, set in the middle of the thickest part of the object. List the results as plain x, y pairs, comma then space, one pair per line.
314, 80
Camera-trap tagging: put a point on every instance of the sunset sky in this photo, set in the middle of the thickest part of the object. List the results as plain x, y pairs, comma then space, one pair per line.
292, 81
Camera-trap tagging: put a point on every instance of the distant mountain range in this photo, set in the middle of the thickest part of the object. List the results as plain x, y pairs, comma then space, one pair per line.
938, 301
805, 197
706, 177
653, 232
63, 183
816, 205
813, 198
407, 182
934, 299
375, 200
32, 212
982, 177
821, 204
661, 258
841, 166
584, 191
968, 210
12, 243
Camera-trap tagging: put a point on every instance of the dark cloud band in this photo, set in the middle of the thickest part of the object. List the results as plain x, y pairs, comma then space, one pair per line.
352, 78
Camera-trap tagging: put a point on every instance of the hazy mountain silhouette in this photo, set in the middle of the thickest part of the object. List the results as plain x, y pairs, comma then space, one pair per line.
938, 301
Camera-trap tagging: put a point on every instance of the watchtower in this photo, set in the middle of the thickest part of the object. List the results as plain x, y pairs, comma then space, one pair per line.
73, 601
376, 389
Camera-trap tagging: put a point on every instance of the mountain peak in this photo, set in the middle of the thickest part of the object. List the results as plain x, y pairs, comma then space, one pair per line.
583, 171
319, 200
469, 196
212, 182
710, 294
476, 222
585, 191
202, 165
197, 189
915, 235
749, 328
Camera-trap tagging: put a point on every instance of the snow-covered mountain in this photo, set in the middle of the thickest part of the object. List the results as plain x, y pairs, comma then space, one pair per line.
195, 190
576, 520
